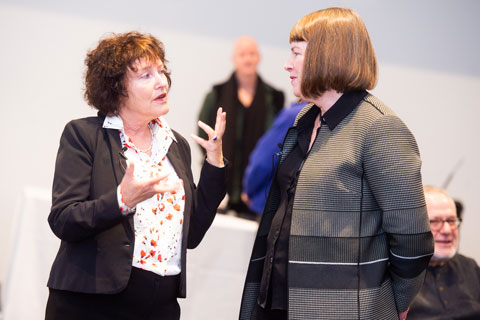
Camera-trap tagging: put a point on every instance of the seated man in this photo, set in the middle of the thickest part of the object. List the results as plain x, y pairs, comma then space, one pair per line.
452, 282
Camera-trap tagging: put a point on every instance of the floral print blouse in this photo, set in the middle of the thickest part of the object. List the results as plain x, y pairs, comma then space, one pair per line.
158, 221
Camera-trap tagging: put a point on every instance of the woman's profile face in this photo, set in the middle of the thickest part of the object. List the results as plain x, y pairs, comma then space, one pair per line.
147, 89
294, 65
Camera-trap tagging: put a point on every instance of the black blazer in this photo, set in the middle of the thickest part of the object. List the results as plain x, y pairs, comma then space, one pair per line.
96, 250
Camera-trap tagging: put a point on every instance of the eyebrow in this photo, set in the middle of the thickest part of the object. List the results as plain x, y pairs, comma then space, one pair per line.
147, 66
294, 46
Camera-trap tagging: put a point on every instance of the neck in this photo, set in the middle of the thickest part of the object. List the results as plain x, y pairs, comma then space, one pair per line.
246, 81
327, 100
133, 124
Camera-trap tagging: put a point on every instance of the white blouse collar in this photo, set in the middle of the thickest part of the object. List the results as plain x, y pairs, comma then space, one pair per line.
116, 122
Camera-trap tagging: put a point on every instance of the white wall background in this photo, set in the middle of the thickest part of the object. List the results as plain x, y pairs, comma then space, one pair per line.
429, 73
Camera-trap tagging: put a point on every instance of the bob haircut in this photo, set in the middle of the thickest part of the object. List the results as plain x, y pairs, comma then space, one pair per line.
107, 65
339, 53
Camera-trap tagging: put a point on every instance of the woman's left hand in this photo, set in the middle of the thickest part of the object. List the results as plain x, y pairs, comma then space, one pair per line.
213, 146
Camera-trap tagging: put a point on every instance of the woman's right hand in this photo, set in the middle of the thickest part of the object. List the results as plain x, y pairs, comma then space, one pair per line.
213, 146
135, 191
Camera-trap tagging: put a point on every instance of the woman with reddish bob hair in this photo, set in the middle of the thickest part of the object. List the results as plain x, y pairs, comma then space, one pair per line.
344, 233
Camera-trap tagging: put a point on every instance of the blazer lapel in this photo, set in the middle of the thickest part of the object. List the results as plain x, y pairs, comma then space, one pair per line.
178, 164
119, 163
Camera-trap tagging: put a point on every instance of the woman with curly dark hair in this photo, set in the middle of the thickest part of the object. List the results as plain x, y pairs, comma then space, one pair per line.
124, 203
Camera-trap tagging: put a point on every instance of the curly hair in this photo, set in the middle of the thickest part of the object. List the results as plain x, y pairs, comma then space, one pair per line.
107, 65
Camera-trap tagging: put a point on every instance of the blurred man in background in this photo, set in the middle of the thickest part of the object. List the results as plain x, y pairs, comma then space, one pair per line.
251, 105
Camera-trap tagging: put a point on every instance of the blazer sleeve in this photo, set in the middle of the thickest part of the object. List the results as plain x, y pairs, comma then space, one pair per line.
76, 214
392, 169
209, 193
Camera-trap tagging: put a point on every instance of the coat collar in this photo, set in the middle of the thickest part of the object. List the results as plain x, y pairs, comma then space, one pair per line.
119, 161
339, 111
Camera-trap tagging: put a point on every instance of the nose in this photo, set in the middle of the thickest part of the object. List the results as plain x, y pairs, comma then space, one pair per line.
160, 80
445, 228
288, 65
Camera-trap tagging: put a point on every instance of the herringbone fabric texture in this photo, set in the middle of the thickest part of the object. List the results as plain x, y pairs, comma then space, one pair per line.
360, 236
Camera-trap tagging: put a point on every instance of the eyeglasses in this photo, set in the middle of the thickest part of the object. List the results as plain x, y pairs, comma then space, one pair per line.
437, 224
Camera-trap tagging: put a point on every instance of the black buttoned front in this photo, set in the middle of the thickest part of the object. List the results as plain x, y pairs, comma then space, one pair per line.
273, 290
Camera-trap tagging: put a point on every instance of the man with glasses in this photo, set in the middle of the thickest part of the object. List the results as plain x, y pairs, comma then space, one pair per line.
452, 283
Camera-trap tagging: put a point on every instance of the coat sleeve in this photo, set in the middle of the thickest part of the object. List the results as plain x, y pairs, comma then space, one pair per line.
392, 169
75, 215
209, 193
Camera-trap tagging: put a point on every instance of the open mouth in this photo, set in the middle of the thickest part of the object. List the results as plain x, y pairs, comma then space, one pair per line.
444, 242
161, 96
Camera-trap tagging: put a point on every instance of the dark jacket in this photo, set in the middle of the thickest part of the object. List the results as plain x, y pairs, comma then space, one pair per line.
96, 250
245, 125
450, 292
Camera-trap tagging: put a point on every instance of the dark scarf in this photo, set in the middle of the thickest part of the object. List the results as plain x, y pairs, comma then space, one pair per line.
245, 127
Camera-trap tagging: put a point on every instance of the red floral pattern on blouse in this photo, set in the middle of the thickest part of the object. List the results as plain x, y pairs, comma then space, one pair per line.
158, 221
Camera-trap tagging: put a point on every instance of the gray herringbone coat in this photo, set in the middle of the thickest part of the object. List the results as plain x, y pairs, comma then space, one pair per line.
360, 238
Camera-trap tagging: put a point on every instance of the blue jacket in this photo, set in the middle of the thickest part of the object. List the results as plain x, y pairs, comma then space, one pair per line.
262, 162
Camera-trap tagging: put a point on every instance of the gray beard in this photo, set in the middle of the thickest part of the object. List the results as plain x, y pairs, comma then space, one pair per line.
443, 259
